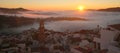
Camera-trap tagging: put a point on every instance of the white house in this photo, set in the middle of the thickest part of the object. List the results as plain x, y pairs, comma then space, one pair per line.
109, 39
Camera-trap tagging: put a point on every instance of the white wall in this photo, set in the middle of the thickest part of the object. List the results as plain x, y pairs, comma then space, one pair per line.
106, 38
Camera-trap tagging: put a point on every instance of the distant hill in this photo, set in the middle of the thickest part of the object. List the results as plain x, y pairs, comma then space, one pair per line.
12, 10
14, 21
114, 9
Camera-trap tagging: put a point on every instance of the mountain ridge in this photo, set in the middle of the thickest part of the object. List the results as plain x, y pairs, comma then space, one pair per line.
12, 10
113, 9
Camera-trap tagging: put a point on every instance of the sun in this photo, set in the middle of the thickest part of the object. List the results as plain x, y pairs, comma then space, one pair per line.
81, 8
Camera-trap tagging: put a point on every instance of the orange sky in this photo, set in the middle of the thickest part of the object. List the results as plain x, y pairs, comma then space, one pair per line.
59, 4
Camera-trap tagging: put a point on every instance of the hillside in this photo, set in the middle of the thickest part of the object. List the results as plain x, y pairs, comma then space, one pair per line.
114, 9
13, 21
12, 10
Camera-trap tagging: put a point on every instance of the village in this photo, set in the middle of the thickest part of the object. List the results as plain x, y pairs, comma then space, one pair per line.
59, 26
98, 40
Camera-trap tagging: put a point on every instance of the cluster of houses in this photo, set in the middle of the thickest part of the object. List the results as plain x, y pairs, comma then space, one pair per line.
99, 40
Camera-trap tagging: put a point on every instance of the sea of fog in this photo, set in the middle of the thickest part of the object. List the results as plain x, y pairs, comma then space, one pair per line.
102, 19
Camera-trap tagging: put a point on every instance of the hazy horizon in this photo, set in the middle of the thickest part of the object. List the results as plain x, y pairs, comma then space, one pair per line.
59, 5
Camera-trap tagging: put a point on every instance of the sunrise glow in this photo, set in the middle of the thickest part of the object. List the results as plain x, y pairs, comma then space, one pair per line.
59, 5
81, 8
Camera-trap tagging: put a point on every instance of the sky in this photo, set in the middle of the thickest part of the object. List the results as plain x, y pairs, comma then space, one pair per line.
59, 4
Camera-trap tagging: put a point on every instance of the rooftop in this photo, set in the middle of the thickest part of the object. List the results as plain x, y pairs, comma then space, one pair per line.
116, 26
82, 50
